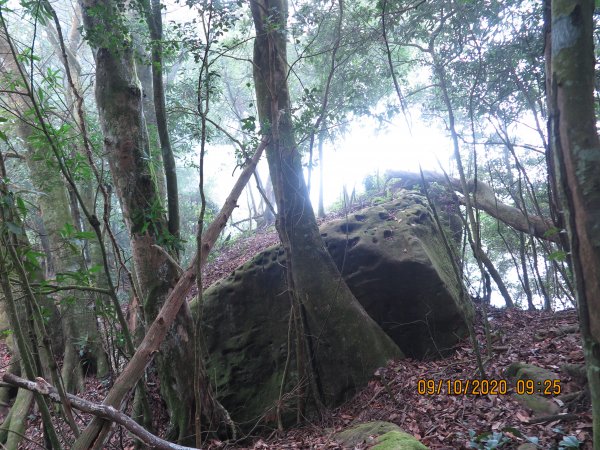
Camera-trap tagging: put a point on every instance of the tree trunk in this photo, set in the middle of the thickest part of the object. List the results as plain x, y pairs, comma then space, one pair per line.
78, 318
95, 433
525, 273
577, 157
340, 334
144, 72
154, 19
321, 207
119, 100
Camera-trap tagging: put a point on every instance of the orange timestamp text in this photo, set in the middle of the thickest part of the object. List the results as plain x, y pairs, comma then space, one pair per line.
487, 387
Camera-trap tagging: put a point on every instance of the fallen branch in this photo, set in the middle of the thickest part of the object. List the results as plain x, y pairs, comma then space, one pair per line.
96, 432
554, 417
42, 387
483, 197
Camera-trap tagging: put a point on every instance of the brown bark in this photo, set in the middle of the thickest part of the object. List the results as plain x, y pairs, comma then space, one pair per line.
40, 386
576, 148
119, 100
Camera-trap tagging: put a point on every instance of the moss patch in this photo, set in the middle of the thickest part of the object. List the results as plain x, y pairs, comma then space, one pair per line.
365, 433
523, 371
541, 406
385, 436
398, 440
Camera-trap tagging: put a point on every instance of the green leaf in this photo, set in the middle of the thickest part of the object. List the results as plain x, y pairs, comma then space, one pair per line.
569, 442
558, 255
21, 206
14, 228
553, 231
84, 235
31, 259
67, 231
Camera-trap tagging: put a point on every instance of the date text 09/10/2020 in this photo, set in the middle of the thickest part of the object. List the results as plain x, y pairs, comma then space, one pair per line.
487, 387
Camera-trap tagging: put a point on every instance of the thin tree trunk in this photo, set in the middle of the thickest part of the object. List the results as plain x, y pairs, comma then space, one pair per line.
154, 19
79, 321
525, 272
27, 360
321, 207
576, 148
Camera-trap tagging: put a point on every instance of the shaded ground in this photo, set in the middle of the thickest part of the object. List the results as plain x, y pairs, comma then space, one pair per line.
440, 421
445, 421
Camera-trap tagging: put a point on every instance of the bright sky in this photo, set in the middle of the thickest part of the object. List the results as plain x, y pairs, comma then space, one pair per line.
364, 151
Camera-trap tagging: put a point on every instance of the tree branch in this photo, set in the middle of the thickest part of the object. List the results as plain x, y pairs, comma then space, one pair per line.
486, 200
96, 431
41, 386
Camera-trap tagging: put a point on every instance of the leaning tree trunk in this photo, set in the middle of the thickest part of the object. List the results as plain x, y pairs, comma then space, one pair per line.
119, 99
341, 335
577, 157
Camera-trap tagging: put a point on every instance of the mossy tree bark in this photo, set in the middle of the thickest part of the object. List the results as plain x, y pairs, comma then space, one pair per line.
119, 100
78, 318
576, 149
342, 334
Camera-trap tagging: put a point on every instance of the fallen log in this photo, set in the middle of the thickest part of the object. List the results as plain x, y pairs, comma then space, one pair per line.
483, 198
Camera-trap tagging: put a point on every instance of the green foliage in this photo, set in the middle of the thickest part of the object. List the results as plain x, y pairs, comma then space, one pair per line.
557, 255
373, 182
487, 440
500, 439
569, 442
7, 203
5, 333
82, 344
152, 220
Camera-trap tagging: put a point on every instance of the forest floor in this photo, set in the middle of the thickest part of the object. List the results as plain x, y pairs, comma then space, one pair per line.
443, 421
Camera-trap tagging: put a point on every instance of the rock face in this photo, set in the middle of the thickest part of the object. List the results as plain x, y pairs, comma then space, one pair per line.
395, 262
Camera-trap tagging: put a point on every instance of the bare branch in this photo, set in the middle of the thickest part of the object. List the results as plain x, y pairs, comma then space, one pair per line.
42, 387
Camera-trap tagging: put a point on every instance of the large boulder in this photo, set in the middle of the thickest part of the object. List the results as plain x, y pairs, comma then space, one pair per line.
395, 262
394, 259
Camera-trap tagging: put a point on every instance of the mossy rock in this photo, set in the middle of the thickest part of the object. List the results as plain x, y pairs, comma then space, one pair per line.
398, 440
541, 406
395, 263
383, 435
394, 260
523, 371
